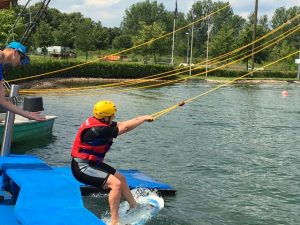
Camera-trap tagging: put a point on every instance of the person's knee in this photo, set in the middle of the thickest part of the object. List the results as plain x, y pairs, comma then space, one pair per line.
114, 183
121, 178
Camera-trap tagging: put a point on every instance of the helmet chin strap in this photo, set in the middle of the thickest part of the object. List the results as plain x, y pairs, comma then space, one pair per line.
12, 54
107, 119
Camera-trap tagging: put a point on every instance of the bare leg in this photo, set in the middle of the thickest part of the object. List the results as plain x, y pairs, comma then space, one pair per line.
126, 193
118, 185
114, 197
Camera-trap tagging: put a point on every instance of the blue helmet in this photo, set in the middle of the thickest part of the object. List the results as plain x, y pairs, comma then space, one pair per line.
20, 48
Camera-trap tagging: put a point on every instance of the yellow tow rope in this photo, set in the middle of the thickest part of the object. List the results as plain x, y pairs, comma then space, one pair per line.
125, 50
182, 103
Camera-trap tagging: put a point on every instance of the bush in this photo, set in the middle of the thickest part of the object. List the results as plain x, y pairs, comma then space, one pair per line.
91, 70
119, 70
258, 74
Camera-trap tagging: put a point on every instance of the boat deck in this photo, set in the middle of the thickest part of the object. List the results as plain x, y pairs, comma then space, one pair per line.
26, 130
37, 194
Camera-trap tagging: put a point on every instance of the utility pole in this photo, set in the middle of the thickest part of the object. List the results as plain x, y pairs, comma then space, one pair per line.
298, 62
209, 28
192, 39
254, 34
174, 28
173, 44
188, 48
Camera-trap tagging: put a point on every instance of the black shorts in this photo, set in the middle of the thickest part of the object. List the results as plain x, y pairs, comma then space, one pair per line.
90, 173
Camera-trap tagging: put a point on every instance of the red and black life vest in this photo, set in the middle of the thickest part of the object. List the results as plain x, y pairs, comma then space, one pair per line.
86, 151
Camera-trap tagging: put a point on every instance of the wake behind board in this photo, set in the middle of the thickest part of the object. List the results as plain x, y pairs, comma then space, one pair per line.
148, 208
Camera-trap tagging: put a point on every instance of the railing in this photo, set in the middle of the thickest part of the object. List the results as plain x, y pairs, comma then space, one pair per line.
9, 124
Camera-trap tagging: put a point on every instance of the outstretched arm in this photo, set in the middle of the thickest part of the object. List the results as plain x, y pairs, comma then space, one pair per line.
133, 123
11, 107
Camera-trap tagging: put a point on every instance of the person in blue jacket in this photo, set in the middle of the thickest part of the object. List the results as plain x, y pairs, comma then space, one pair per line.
14, 54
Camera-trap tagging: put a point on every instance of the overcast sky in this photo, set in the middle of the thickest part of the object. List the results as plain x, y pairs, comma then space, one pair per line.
111, 12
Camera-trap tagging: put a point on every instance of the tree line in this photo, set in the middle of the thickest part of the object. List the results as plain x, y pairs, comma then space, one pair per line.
146, 20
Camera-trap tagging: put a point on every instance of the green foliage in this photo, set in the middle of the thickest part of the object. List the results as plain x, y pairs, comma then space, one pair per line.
144, 13
99, 36
7, 19
122, 42
223, 18
43, 37
282, 50
147, 20
83, 37
63, 36
93, 70
281, 16
111, 34
246, 37
224, 42
148, 33
265, 74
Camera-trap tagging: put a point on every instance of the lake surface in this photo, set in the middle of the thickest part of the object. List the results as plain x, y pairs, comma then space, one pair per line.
233, 155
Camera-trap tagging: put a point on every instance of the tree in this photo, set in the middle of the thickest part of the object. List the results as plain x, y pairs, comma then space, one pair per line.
100, 37
83, 39
43, 36
7, 20
281, 16
122, 42
224, 42
246, 37
112, 33
282, 50
148, 33
200, 10
63, 36
145, 13
291, 43
52, 16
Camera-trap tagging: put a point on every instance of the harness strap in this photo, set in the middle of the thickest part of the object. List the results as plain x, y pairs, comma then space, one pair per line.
91, 152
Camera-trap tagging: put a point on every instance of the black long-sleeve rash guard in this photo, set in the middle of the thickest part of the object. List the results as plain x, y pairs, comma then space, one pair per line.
99, 134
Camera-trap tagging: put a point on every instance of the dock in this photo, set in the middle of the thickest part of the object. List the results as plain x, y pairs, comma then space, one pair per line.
33, 193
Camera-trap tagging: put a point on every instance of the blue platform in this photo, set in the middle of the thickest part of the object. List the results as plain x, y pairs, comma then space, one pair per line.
135, 179
37, 194
7, 215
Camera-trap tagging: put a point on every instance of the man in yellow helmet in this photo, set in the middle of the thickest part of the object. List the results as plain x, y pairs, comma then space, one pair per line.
93, 140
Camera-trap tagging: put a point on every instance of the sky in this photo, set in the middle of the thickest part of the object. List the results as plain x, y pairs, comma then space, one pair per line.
111, 12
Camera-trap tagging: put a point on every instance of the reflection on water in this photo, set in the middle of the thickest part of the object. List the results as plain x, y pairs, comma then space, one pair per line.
35, 143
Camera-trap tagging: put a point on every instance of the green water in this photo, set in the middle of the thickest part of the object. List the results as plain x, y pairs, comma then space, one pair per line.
232, 155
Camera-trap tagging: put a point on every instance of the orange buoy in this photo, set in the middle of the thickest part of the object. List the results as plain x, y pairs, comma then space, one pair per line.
285, 93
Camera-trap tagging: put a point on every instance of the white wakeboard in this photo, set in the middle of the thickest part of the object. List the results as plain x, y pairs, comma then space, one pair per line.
149, 205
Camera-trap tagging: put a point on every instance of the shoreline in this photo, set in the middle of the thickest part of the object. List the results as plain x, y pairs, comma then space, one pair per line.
65, 82
257, 81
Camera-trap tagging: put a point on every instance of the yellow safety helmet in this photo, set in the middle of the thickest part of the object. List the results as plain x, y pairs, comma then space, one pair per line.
104, 108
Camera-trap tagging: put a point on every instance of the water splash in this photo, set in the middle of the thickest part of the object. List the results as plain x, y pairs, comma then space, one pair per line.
143, 214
